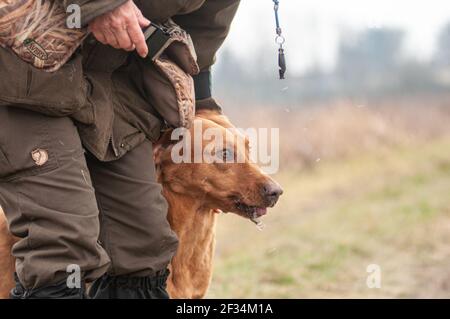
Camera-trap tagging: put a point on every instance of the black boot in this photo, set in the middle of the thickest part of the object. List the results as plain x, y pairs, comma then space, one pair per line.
57, 291
128, 287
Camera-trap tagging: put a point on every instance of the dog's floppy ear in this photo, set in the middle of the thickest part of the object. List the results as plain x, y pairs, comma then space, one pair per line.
162, 146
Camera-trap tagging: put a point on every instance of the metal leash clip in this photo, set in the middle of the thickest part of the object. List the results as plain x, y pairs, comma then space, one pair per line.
280, 40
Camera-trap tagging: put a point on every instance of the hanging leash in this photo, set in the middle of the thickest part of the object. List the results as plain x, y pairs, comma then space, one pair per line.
280, 41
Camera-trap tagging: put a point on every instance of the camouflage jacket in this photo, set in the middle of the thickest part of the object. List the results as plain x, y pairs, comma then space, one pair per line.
101, 88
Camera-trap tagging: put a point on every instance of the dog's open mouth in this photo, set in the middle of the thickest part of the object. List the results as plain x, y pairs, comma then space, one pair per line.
254, 213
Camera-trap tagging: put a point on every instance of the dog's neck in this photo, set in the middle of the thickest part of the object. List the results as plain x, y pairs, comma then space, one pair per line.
191, 267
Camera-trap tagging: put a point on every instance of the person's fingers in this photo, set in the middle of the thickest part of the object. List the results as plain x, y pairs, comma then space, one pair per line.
92, 28
138, 39
119, 26
122, 29
110, 38
99, 36
143, 21
123, 38
96, 32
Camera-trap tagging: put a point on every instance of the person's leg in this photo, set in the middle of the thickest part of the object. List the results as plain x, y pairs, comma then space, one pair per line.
134, 227
49, 202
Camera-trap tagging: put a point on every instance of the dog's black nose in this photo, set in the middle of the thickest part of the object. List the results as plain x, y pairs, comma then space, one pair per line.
271, 192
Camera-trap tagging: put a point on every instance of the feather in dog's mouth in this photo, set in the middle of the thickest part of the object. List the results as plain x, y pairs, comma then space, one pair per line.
254, 213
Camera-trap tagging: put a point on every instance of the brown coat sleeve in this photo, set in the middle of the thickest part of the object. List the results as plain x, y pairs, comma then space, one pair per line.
161, 10
90, 9
208, 27
208, 21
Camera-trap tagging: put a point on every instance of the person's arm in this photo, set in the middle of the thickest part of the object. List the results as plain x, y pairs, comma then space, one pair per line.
117, 23
208, 27
160, 10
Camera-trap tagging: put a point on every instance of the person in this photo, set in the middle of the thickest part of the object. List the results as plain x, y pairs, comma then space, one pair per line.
77, 178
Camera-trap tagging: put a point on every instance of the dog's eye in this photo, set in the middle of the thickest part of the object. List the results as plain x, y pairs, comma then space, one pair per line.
226, 155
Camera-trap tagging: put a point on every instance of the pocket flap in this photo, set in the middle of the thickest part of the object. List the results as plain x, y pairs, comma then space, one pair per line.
59, 93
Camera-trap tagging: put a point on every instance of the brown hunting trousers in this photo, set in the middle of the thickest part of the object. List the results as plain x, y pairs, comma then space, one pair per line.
68, 208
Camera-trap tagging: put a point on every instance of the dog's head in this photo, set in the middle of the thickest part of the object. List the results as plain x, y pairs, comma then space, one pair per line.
229, 181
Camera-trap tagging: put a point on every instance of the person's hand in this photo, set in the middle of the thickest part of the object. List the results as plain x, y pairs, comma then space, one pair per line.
122, 28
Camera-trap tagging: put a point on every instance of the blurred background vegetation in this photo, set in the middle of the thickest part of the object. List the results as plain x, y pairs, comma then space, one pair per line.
365, 160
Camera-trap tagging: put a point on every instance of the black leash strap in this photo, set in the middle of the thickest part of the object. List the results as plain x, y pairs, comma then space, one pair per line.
280, 41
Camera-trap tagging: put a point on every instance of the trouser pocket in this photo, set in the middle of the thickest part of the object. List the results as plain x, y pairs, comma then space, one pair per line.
59, 93
48, 199
26, 146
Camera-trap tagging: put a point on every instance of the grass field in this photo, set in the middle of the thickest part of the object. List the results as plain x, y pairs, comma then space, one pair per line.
388, 206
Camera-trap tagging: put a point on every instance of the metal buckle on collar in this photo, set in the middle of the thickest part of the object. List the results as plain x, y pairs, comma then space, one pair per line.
158, 39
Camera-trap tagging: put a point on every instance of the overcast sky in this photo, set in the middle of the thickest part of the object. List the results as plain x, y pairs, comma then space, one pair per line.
313, 27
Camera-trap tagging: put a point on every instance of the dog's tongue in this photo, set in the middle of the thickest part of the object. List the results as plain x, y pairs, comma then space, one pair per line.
261, 211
